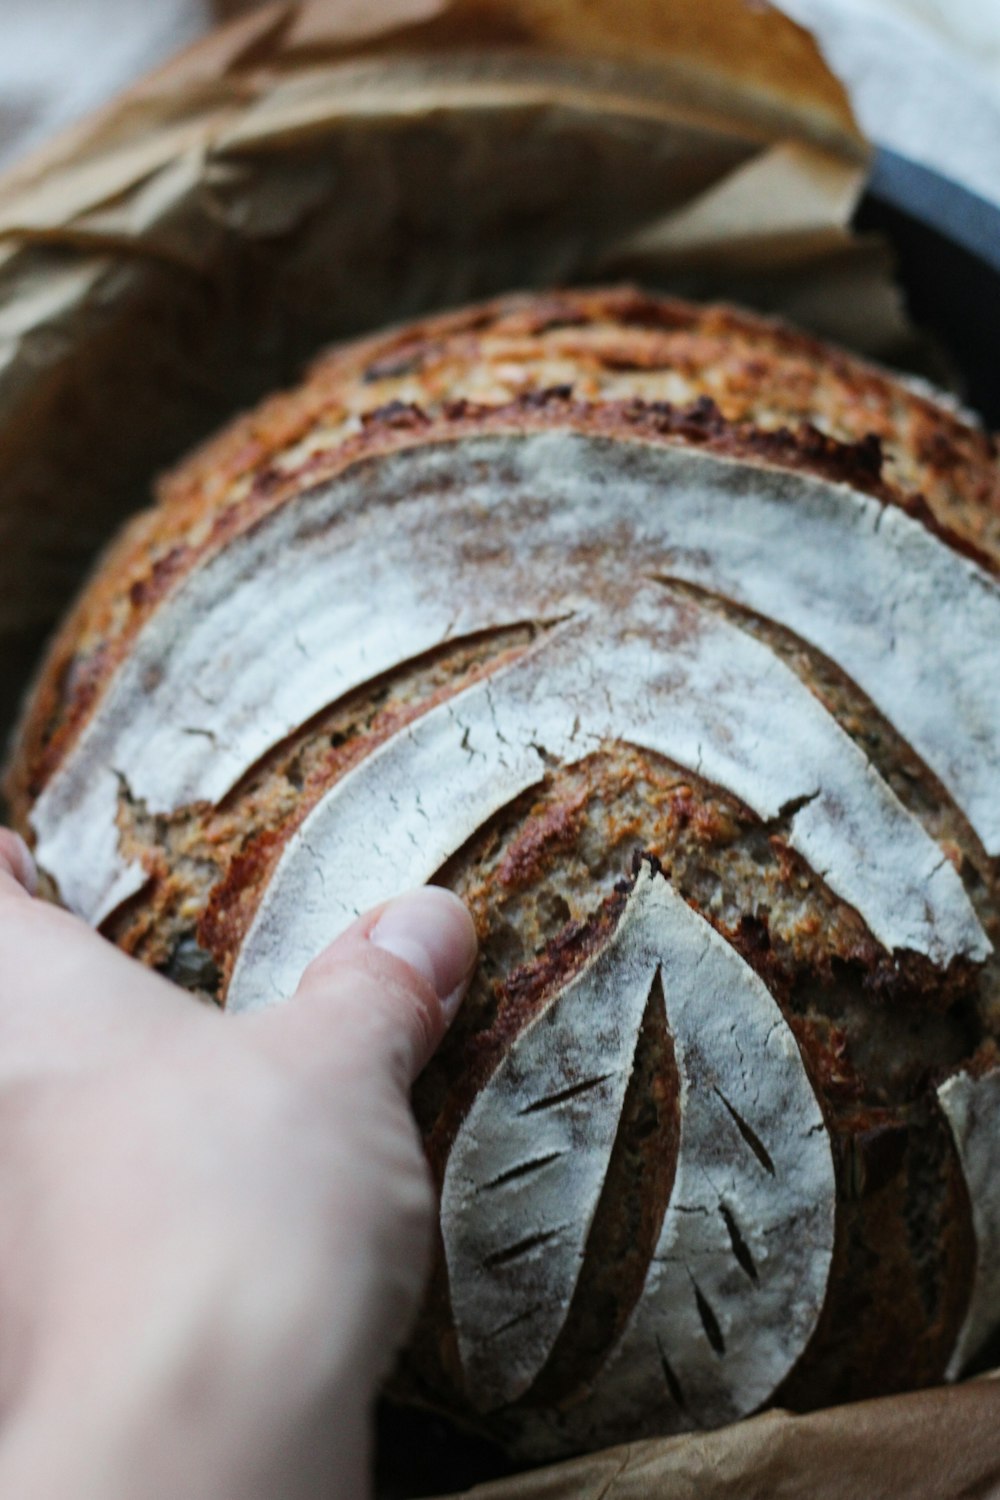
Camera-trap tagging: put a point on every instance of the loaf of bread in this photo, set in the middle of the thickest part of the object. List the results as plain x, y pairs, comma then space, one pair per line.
668, 638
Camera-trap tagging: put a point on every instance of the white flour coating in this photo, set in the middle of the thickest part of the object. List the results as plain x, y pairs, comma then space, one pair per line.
740, 1269
405, 553
660, 673
258, 640
527, 1167
972, 1108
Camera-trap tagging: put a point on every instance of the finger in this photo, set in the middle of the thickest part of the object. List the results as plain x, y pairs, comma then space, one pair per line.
382, 995
18, 876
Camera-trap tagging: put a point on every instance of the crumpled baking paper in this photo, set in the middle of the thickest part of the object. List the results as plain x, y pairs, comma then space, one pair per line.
320, 168
931, 1445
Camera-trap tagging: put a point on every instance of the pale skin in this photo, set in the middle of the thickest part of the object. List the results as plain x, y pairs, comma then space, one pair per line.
214, 1230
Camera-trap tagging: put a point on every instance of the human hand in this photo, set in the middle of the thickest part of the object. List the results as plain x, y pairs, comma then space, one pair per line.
214, 1229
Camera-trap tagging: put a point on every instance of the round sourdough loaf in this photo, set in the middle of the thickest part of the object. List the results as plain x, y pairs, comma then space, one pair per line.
668, 638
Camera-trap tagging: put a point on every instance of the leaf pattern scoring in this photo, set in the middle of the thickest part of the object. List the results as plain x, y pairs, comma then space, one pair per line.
741, 1263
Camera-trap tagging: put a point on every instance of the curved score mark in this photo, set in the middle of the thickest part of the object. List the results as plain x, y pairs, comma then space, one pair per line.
235, 665
664, 675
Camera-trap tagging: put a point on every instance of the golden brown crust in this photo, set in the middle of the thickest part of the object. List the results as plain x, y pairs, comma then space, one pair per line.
592, 360
755, 369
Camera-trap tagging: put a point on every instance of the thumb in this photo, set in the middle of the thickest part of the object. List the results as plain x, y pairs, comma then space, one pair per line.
384, 993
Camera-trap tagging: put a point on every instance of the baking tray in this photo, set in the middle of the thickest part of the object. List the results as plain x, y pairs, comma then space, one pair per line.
947, 243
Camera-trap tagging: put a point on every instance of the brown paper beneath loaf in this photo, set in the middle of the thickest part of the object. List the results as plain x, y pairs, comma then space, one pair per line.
171, 260
932, 1445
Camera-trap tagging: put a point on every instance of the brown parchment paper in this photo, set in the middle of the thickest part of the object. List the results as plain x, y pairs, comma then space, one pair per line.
324, 167
932, 1445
